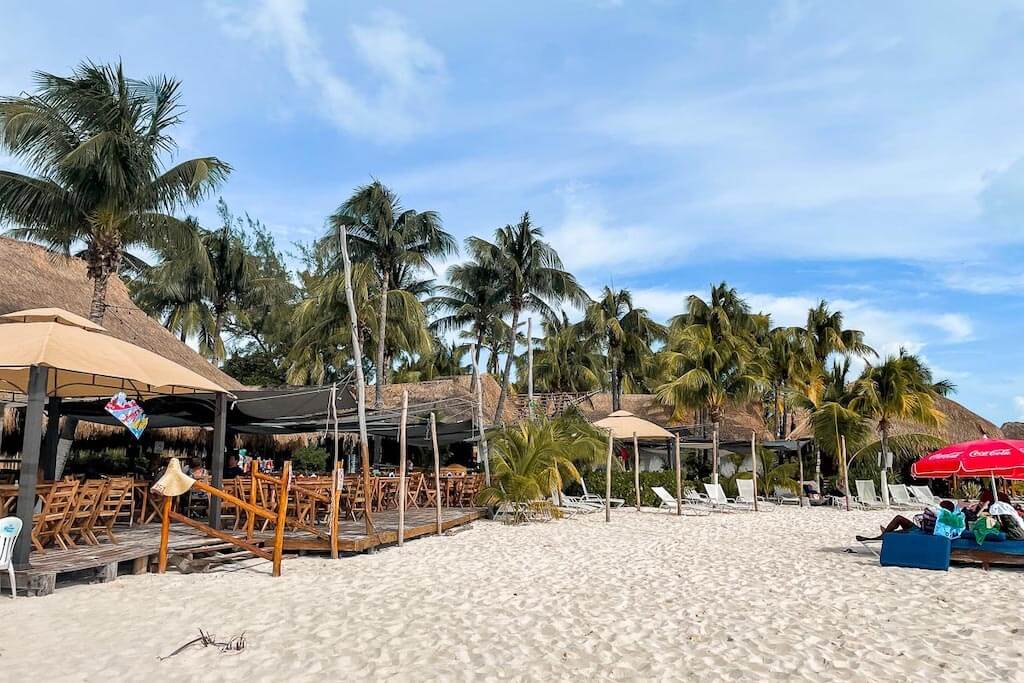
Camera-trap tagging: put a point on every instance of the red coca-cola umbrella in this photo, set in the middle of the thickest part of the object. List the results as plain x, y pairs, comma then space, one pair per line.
983, 458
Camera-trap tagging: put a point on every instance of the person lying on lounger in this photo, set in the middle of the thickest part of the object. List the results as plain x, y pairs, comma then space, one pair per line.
924, 521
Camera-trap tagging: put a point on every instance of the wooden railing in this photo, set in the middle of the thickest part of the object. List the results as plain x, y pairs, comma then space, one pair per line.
250, 506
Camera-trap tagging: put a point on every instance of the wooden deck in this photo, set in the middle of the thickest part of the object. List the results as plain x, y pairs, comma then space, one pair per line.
137, 547
352, 536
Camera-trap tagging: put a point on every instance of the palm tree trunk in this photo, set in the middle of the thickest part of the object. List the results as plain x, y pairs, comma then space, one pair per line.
498, 413
99, 296
884, 478
382, 323
616, 386
476, 356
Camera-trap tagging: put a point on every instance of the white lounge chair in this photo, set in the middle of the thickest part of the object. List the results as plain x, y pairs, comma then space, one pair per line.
900, 497
784, 496
866, 495
720, 501
10, 527
668, 502
573, 504
594, 498
746, 495
924, 496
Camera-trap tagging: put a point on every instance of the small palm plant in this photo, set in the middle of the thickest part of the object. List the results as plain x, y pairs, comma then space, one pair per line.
533, 458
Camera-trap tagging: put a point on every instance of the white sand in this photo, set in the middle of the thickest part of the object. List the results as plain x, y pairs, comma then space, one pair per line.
651, 596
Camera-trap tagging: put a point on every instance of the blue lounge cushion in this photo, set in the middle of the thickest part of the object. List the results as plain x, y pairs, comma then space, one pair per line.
917, 550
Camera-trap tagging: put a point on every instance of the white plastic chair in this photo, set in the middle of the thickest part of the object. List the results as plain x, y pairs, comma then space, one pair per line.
866, 495
718, 498
594, 498
10, 528
746, 493
925, 496
668, 502
901, 497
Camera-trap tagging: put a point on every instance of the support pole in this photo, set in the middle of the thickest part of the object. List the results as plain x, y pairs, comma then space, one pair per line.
282, 516
529, 367
30, 463
220, 428
608, 482
401, 468
846, 471
357, 358
800, 459
636, 470
714, 455
679, 480
333, 412
753, 463
165, 533
480, 419
437, 470
52, 438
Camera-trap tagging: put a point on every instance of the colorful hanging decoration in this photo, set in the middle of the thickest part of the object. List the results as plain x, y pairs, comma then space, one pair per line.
129, 413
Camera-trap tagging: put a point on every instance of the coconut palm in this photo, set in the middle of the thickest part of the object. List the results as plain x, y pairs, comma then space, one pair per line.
827, 335
443, 360
96, 143
472, 299
784, 356
532, 278
567, 359
626, 334
383, 233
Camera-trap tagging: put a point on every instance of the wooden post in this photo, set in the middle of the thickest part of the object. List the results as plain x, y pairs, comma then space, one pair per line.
401, 468
529, 367
679, 480
437, 470
357, 359
800, 459
753, 463
37, 377
480, 419
48, 457
165, 534
250, 520
636, 470
334, 511
714, 455
220, 426
282, 512
608, 481
846, 471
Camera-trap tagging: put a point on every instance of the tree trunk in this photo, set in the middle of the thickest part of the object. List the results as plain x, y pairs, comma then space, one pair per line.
884, 478
99, 296
382, 324
616, 386
498, 418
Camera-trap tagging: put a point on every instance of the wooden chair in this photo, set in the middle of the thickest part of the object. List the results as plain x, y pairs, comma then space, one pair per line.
57, 504
470, 487
116, 497
414, 490
80, 520
428, 494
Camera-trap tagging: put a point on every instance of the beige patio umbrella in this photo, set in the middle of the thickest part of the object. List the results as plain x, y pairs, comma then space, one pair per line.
623, 424
84, 361
49, 352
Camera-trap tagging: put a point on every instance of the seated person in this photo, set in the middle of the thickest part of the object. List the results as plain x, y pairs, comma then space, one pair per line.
924, 521
231, 468
198, 470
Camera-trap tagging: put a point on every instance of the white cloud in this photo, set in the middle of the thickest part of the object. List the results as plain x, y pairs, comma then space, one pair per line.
406, 71
1018, 404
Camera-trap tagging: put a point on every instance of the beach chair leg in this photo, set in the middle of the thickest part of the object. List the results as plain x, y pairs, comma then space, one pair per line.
14, 581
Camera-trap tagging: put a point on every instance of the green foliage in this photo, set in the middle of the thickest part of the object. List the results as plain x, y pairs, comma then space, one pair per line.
309, 459
109, 461
622, 485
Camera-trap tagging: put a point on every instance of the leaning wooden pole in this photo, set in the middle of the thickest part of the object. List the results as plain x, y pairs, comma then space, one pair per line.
437, 470
250, 520
679, 480
357, 359
753, 463
165, 534
608, 482
529, 367
401, 468
480, 418
846, 471
282, 516
636, 471
714, 455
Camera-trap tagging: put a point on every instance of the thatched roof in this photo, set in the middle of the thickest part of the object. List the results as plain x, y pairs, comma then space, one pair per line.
31, 277
736, 424
960, 425
453, 395
1013, 430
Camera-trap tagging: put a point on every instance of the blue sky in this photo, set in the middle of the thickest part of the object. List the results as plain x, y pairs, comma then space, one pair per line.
867, 153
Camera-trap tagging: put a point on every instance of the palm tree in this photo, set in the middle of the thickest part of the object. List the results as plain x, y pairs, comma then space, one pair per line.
827, 335
568, 358
382, 232
626, 333
532, 277
472, 298
96, 142
784, 357
444, 360
900, 388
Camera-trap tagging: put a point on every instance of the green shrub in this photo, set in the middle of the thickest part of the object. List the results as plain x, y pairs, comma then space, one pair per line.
622, 485
309, 459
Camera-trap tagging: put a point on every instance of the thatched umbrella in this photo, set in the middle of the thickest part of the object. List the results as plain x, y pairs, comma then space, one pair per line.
54, 353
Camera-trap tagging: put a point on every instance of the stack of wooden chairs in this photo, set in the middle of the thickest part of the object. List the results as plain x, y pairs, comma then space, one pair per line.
75, 512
